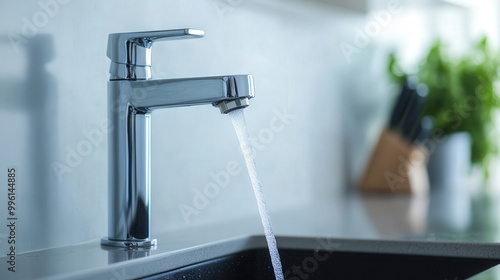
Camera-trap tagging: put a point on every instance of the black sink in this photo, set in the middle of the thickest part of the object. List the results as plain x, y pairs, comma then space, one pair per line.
314, 264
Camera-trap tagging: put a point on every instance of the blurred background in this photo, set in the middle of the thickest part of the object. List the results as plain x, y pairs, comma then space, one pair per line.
324, 92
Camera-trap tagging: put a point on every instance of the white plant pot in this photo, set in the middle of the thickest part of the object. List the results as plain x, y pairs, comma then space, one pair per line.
449, 168
449, 162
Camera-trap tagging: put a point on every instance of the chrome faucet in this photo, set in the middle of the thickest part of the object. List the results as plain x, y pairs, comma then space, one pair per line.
132, 95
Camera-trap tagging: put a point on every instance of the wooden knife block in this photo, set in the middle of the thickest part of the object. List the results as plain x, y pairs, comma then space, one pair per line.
396, 166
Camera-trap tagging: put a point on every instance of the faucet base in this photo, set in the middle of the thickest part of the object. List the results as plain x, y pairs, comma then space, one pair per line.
129, 244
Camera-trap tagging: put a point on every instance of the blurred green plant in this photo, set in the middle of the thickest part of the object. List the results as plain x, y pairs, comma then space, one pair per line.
463, 95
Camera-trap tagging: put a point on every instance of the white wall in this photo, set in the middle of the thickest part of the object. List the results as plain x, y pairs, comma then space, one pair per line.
290, 50
53, 92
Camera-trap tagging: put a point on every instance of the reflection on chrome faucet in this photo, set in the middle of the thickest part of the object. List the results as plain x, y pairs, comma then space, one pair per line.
132, 96
124, 254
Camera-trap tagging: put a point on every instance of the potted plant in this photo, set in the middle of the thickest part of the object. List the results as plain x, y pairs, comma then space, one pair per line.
462, 100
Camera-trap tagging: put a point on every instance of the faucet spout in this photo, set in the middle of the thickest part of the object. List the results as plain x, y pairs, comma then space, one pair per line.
147, 95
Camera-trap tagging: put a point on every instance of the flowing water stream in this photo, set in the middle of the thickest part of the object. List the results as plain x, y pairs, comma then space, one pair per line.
240, 126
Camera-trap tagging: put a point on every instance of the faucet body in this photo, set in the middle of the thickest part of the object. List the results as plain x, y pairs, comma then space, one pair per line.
130, 103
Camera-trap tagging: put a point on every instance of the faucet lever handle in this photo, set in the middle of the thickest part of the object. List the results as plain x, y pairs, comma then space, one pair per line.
130, 53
